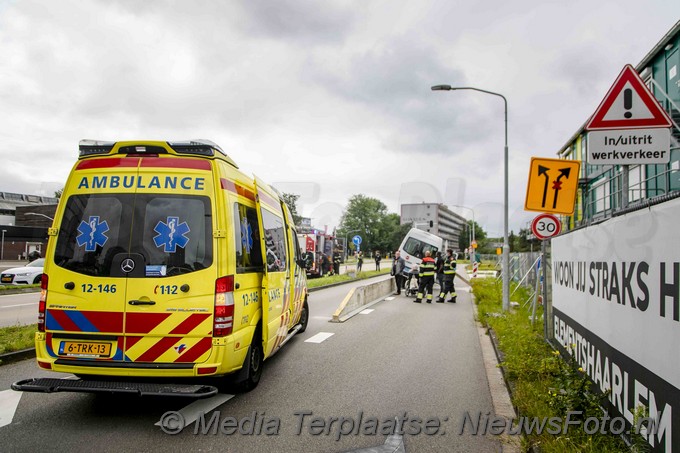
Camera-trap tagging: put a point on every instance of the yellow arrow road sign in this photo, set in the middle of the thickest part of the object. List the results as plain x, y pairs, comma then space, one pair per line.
552, 185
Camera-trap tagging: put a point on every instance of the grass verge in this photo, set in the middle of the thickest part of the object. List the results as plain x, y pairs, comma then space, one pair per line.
541, 383
14, 289
16, 338
329, 280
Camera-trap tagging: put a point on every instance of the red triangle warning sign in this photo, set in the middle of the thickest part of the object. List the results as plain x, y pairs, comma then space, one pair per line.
629, 105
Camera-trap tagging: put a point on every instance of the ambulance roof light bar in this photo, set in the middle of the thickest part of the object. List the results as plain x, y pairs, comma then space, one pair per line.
199, 147
92, 147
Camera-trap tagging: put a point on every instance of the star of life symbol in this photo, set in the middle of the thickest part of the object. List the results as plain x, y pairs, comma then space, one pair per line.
171, 234
92, 233
246, 235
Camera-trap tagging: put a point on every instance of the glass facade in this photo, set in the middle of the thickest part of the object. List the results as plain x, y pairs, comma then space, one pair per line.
600, 192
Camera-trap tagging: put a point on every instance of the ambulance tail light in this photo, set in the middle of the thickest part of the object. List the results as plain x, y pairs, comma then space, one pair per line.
223, 321
42, 304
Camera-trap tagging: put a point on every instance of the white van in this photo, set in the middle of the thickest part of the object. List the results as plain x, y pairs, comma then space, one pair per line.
415, 244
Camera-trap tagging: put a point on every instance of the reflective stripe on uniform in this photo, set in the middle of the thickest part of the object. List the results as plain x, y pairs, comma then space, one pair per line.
427, 268
450, 267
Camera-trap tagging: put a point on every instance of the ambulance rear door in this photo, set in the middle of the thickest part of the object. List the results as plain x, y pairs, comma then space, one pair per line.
86, 297
169, 298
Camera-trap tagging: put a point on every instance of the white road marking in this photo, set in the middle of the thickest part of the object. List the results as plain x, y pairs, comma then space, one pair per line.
390, 298
367, 311
9, 401
191, 412
20, 305
319, 337
22, 295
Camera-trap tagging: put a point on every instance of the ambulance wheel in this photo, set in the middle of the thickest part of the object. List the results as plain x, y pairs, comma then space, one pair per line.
255, 363
304, 317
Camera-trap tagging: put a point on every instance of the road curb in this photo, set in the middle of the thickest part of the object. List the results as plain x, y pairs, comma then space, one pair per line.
11, 291
331, 285
17, 356
498, 387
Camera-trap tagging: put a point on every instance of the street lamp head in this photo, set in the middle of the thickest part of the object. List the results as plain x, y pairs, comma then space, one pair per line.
39, 214
441, 87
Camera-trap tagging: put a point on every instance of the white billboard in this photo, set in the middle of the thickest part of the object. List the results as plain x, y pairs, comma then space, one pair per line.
616, 304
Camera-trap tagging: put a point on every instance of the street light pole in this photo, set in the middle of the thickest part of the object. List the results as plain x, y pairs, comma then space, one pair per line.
2, 250
506, 245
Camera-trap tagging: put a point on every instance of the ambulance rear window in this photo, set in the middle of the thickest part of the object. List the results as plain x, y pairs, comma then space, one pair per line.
418, 248
172, 232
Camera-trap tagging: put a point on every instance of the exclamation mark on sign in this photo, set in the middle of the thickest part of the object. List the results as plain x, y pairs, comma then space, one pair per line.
628, 101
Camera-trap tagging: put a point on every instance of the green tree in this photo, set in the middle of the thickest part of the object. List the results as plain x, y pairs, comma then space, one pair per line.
57, 193
464, 238
523, 242
291, 200
513, 241
392, 233
365, 216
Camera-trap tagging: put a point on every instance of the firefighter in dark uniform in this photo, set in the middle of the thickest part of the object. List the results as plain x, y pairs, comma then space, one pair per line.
427, 268
449, 289
325, 265
336, 262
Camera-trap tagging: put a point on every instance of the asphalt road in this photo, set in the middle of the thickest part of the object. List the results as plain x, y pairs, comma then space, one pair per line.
414, 361
19, 309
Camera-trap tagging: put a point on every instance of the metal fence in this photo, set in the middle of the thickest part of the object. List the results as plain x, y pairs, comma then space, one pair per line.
527, 270
522, 266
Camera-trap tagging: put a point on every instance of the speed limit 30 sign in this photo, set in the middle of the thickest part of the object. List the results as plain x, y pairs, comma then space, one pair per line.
546, 226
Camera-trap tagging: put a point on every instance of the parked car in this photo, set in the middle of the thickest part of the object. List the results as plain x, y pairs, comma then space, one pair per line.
31, 273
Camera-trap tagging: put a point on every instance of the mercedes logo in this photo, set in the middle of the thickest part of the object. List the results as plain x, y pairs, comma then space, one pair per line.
127, 265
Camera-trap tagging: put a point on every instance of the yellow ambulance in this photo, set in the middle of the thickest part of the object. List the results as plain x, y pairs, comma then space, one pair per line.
166, 261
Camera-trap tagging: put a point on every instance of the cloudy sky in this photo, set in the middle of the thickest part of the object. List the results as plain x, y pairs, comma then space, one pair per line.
325, 99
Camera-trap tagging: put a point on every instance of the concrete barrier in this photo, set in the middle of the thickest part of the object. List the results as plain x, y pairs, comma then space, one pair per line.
362, 296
